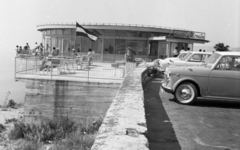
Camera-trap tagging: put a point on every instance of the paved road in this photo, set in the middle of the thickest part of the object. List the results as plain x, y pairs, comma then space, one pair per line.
208, 125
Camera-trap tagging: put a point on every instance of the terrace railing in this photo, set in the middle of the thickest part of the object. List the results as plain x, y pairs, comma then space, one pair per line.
57, 67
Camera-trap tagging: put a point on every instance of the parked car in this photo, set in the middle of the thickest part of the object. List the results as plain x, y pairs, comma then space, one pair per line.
217, 78
180, 56
191, 59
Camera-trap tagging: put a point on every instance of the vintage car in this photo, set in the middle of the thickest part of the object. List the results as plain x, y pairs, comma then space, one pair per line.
217, 78
191, 59
180, 56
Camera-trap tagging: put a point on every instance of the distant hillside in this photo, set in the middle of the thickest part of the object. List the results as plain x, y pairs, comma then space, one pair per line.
235, 49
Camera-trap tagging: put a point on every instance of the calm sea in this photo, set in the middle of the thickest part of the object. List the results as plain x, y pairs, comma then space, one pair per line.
7, 82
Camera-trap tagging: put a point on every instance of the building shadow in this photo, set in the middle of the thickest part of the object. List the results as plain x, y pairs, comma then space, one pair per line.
161, 134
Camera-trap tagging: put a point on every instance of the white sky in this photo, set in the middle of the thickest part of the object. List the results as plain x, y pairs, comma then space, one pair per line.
219, 19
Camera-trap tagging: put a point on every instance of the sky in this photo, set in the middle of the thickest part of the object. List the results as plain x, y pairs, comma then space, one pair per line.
219, 19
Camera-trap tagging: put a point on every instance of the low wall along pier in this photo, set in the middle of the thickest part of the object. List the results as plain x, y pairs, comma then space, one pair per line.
82, 102
124, 125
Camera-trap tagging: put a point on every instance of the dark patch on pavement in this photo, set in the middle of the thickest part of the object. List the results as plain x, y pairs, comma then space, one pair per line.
161, 135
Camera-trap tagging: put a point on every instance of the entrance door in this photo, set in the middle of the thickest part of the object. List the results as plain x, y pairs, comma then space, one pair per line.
153, 48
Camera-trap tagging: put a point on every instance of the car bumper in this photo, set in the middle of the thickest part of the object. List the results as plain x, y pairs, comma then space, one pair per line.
166, 88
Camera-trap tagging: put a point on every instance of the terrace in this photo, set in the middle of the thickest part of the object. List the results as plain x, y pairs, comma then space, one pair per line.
69, 68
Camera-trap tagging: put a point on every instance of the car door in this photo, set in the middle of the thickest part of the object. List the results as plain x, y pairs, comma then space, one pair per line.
237, 68
224, 79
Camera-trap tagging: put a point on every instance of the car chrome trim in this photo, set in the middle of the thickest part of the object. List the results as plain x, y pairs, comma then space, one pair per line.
220, 98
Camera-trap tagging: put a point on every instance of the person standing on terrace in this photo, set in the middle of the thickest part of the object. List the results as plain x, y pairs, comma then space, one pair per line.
129, 56
90, 57
27, 46
175, 52
182, 50
17, 50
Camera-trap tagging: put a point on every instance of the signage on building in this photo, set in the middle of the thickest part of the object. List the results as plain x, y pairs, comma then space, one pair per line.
188, 34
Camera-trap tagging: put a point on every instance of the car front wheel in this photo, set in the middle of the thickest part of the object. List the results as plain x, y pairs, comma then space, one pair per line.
186, 93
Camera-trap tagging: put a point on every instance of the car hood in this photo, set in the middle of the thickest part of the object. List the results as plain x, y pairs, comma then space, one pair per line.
190, 70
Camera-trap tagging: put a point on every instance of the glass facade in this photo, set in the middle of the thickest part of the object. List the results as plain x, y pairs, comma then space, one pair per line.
111, 45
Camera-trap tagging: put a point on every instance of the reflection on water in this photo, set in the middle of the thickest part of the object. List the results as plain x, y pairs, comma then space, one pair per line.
7, 82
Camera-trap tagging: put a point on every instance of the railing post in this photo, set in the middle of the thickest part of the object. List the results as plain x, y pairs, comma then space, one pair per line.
88, 69
15, 69
51, 68
26, 64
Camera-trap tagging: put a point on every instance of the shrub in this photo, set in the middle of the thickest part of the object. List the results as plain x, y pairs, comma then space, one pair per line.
11, 104
2, 128
7, 121
17, 131
31, 146
64, 132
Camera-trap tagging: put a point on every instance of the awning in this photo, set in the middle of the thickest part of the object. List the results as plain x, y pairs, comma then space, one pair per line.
182, 40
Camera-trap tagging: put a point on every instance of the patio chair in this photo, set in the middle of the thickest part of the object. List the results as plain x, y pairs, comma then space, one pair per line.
115, 65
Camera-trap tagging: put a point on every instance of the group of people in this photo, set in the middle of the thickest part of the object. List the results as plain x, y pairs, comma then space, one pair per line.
37, 50
176, 52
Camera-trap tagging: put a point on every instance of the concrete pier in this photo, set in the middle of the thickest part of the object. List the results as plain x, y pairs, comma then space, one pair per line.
82, 102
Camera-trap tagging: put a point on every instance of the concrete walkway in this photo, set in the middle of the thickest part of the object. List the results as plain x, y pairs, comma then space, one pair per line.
161, 135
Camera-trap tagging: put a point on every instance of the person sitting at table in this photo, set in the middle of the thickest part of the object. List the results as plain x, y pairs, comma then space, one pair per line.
55, 52
44, 64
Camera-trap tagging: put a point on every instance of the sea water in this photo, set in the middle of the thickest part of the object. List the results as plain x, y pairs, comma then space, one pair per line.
7, 81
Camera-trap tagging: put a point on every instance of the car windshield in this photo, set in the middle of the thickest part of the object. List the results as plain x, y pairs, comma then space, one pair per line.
182, 55
188, 56
212, 59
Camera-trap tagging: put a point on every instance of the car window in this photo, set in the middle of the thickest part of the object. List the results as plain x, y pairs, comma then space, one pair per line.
196, 58
225, 63
185, 58
212, 60
182, 55
236, 63
205, 57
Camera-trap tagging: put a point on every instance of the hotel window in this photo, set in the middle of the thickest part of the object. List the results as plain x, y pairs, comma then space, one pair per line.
109, 32
109, 45
67, 32
48, 32
132, 34
120, 45
121, 33
53, 32
73, 32
43, 32
95, 46
142, 48
59, 32
85, 42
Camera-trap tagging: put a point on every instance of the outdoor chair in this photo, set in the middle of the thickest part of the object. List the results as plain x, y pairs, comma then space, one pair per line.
115, 66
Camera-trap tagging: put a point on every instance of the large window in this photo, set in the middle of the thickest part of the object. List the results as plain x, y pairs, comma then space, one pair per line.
142, 48
67, 32
59, 32
109, 46
85, 44
120, 45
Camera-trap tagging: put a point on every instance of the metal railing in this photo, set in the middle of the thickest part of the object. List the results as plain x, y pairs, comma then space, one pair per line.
62, 67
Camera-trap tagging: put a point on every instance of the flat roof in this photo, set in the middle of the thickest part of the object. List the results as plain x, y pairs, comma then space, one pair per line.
109, 26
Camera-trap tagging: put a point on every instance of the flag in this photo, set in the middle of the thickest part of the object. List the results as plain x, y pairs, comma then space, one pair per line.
80, 31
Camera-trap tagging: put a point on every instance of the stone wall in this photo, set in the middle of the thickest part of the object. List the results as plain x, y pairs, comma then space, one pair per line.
81, 101
124, 125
